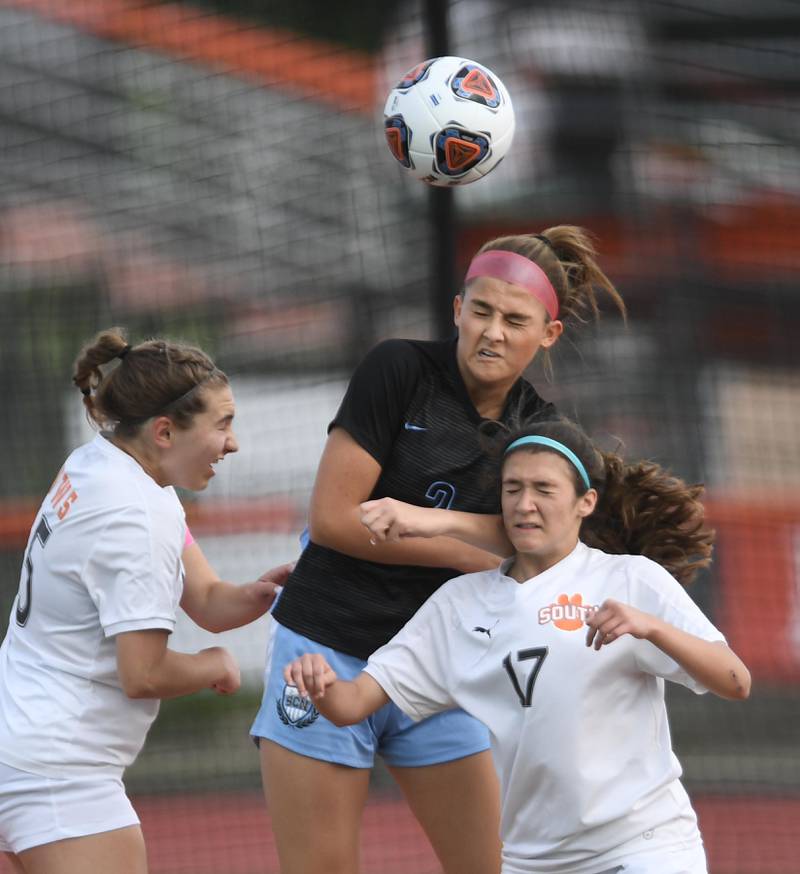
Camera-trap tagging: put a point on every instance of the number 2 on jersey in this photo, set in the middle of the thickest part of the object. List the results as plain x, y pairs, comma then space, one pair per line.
43, 531
442, 494
538, 654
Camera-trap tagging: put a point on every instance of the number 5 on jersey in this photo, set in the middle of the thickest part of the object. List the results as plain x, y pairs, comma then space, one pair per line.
538, 655
43, 531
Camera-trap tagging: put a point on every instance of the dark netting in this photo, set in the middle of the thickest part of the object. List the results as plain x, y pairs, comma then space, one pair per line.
218, 172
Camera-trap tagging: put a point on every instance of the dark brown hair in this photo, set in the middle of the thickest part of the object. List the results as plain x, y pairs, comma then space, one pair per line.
157, 377
642, 509
567, 256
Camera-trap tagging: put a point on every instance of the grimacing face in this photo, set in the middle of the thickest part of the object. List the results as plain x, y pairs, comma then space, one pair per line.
501, 327
542, 513
205, 442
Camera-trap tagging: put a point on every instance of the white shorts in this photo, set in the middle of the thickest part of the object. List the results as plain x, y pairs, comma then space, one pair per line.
688, 860
675, 847
37, 810
691, 860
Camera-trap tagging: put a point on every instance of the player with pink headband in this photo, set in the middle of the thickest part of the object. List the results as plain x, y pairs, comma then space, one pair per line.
407, 430
516, 270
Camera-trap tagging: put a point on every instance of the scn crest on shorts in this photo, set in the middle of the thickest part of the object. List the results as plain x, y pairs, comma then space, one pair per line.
294, 709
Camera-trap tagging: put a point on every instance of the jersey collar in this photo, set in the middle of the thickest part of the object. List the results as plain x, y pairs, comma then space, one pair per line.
564, 566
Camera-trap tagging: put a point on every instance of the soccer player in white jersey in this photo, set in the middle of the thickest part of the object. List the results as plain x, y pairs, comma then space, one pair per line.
85, 660
562, 652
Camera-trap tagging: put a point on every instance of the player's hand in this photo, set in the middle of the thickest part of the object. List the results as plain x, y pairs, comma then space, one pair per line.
265, 589
613, 619
311, 675
230, 678
388, 520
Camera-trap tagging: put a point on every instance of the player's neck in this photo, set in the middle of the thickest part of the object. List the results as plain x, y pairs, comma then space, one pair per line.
528, 565
488, 400
141, 456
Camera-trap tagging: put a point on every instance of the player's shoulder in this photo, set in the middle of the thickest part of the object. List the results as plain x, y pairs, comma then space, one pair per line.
598, 559
617, 570
421, 353
630, 564
100, 463
649, 572
466, 589
639, 579
525, 403
107, 479
402, 363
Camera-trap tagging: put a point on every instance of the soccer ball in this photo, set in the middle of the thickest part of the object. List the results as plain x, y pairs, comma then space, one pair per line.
449, 121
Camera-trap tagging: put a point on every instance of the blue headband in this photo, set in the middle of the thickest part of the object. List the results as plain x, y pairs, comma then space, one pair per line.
559, 447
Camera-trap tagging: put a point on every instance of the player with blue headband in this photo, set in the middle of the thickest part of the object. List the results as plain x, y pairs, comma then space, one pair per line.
562, 652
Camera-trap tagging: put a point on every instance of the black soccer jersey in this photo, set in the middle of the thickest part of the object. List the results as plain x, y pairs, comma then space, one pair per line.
408, 407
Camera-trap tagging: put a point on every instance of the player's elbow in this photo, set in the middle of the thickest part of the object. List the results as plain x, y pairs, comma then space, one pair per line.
741, 683
137, 685
211, 623
342, 715
324, 529
736, 686
139, 690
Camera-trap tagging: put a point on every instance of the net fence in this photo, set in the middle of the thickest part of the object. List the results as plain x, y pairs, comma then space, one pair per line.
217, 172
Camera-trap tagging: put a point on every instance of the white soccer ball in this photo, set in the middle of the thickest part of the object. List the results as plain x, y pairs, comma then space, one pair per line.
449, 121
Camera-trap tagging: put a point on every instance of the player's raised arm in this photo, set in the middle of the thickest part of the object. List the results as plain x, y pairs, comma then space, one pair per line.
346, 477
390, 521
712, 663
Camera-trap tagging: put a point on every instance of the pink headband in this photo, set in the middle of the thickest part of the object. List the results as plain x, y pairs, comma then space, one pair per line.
518, 269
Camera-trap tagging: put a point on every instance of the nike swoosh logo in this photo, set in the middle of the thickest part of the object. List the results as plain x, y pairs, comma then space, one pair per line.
409, 427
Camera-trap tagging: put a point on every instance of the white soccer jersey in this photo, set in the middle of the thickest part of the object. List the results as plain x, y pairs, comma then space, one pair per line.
104, 557
580, 738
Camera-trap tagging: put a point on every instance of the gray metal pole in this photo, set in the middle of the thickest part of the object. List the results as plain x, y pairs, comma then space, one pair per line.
440, 203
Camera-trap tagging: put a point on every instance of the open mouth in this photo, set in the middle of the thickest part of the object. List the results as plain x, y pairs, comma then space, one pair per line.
487, 354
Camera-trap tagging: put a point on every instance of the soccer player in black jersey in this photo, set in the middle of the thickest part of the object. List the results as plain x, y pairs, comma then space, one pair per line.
407, 429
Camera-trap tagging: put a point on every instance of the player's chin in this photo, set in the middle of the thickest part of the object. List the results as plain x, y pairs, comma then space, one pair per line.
491, 370
523, 539
198, 481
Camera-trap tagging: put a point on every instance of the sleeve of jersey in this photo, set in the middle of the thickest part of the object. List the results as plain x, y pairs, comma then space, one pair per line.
656, 591
134, 574
415, 668
378, 395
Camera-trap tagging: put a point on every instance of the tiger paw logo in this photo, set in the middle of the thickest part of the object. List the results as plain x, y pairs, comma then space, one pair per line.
294, 710
567, 614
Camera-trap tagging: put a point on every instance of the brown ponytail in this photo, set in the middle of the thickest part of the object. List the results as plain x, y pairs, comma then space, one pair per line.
157, 377
567, 255
642, 508
645, 510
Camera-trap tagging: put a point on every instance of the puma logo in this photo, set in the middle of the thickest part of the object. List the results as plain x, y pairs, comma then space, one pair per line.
487, 631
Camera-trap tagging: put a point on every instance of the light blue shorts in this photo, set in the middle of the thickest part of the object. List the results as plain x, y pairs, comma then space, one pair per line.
294, 723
